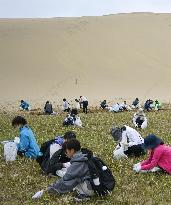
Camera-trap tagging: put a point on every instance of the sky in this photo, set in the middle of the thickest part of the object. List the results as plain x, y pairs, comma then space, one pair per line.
74, 8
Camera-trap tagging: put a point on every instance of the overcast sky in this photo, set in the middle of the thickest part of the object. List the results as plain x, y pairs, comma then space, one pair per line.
60, 8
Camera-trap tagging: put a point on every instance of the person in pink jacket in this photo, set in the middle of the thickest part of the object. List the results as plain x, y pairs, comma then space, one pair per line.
160, 156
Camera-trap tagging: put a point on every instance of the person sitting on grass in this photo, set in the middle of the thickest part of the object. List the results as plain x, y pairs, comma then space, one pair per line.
66, 107
140, 119
73, 119
24, 105
136, 103
130, 142
148, 105
157, 105
54, 160
159, 159
48, 108
125, 106
27, 146
76, 178
103, 104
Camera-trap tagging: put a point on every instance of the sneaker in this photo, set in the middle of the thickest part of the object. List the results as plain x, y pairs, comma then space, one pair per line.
81, 198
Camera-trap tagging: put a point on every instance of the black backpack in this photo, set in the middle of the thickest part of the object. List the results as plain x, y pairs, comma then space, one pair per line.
98, 169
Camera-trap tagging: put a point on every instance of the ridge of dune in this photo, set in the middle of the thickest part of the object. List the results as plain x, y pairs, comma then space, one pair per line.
109, 57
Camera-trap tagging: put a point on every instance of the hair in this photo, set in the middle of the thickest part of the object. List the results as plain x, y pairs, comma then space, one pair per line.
64, 99
19, 121
47, 102
123, 128
22, 101
73, 144
69, 135
76, 100
74, 111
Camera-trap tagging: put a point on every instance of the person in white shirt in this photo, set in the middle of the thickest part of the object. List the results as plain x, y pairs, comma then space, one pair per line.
130, 142
84, 102
66, 107
139, 119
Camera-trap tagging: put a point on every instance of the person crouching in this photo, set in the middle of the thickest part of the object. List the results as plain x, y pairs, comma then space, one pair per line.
130, 142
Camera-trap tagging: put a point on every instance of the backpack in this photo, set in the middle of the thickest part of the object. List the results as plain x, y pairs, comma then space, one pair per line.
99, 170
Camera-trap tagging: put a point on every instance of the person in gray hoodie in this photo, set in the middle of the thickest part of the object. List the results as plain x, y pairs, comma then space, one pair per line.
77, 177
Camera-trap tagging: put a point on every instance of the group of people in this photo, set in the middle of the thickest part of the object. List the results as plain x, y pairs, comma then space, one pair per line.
63, 156
79, 170
82, 103
149, 105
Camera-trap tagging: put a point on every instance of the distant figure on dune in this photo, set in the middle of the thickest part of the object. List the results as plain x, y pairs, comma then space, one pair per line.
140, 119
136, 103
66, 107
148, 105
48, 108
129, 142
73, 119
84, 102
27, 146
103, 104
24, 105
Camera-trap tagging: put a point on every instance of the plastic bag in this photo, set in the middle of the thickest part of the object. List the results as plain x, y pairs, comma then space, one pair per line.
10, 151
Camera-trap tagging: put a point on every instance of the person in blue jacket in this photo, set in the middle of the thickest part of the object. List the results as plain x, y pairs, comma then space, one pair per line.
24, 105
27, 146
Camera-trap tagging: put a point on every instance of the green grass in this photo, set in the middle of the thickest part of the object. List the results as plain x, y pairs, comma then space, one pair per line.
19, 180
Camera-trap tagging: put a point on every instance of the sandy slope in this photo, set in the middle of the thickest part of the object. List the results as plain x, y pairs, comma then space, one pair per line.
125, 55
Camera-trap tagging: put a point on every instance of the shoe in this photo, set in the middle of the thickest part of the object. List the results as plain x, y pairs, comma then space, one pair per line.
81, 198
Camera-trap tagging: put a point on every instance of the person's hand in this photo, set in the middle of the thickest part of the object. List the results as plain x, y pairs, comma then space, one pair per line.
137, 167
67, 164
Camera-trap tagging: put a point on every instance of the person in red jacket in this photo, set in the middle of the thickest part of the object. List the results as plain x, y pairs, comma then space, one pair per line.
159, 159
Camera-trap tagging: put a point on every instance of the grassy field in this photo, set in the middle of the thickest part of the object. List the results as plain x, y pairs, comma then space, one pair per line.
21, 179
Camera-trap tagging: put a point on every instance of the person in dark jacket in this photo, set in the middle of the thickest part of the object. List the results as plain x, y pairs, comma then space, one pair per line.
48, 108
57, 162
103, 104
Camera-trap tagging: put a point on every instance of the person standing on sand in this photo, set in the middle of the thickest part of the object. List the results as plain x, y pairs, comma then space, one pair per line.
84, 102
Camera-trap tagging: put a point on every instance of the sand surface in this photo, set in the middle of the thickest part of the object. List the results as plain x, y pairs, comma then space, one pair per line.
109, 57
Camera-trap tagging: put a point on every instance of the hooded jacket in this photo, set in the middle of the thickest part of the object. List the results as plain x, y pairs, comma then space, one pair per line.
77, 173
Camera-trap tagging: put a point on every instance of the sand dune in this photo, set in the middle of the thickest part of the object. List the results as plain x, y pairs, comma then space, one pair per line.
116, 56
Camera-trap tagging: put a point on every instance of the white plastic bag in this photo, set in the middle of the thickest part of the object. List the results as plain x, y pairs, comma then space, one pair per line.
118, 153
10, 151
78, 122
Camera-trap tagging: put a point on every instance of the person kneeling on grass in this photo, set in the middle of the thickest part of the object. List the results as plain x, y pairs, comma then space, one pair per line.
139, 119
72, 119
24, 105
159, 159
54, 160
77, 176
130, 142
27, 146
